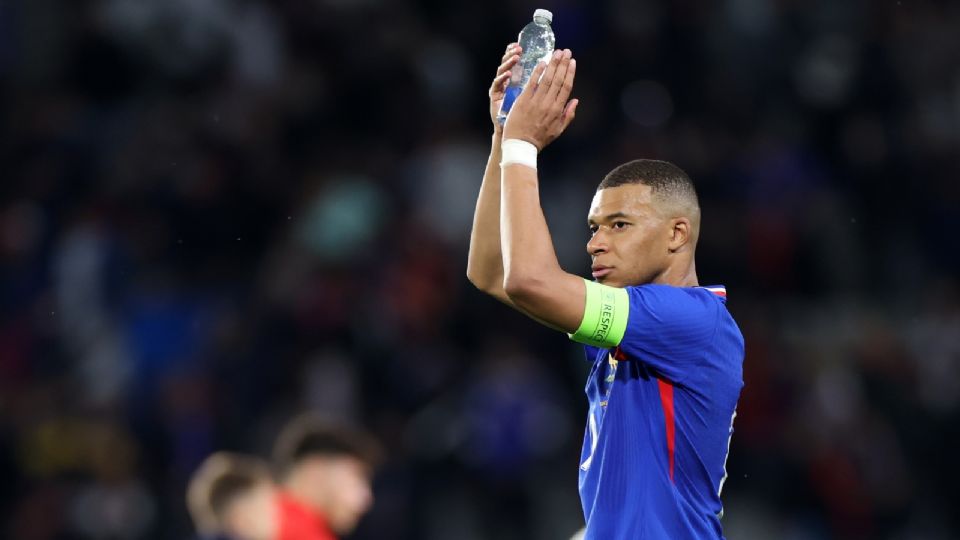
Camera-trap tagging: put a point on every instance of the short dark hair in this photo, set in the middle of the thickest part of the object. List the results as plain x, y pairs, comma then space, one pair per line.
666, 180
310, 435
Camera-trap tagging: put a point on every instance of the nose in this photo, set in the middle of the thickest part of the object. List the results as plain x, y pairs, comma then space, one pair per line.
597, 244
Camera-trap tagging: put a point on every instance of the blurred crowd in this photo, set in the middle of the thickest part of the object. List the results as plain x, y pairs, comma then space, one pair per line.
215, 214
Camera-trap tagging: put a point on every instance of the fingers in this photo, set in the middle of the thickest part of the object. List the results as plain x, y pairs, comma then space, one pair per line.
548, 75
507, 64
569, 112
499, 83
554, 83
512, 49
531, 88
509, 60
567, 85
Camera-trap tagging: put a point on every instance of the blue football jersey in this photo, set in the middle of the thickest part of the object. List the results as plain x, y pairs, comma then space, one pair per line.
662, 405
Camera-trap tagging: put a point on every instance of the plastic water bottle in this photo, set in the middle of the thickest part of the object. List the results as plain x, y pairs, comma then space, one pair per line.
537, 41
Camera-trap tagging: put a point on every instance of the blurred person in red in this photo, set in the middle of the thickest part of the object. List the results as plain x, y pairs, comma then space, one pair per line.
325, 472
232, 496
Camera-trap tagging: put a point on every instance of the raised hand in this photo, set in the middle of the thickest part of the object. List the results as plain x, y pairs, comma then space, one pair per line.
542, 111
499, 85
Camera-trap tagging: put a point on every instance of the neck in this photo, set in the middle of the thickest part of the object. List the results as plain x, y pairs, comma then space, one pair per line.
300, 488
679, 276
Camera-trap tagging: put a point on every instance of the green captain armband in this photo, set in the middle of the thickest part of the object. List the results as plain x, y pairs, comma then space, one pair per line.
604, 316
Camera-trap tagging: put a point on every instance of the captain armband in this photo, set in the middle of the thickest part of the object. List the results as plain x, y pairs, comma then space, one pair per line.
604, 316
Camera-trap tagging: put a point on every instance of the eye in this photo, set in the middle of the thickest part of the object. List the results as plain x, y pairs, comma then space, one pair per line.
593, 229
620, 224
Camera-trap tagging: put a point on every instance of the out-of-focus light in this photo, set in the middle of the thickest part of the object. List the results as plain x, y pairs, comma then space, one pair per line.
824, 74
343, 217
444, 70
647, 103
21, 227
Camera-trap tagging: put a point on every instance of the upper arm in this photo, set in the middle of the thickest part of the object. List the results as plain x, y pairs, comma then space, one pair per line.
556, 299
500, 294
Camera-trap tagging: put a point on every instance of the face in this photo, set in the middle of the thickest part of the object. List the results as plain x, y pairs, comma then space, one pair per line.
346, 492
630, 238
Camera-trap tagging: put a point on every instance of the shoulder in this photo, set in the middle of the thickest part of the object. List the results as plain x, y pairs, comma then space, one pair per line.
669, 301
690, 314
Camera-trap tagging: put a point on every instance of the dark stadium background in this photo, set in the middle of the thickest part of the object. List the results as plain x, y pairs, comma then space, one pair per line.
217, 213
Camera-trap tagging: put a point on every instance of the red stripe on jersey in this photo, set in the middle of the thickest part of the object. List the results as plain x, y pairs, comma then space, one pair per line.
666, 399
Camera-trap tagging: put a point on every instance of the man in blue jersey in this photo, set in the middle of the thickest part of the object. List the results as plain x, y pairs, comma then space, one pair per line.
666, 355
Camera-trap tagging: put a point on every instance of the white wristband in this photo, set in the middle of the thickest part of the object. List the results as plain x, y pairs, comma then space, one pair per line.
520, 152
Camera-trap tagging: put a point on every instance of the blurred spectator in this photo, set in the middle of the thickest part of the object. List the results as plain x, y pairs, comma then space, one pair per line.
232, 497
325, 473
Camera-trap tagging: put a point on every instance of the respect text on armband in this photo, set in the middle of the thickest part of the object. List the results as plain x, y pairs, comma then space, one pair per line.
606, 318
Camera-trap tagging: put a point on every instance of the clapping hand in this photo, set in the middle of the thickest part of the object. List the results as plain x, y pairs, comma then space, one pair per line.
500, 81
542, 111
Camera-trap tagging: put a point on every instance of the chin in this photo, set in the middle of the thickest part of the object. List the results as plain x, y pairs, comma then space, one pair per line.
345, 525
610, 282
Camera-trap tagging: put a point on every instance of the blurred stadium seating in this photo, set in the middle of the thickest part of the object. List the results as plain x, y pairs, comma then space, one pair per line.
215, 214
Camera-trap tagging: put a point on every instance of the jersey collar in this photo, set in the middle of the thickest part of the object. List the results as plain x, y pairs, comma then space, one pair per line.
719, 291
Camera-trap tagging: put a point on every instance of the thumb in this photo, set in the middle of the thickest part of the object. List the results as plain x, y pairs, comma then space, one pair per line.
569, 112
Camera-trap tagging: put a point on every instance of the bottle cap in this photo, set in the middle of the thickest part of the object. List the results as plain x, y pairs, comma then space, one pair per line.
545, 13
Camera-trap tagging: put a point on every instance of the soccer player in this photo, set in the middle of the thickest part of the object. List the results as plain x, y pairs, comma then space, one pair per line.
231, 496
325, 471
666, 355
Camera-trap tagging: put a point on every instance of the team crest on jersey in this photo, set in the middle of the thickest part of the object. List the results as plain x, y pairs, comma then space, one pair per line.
612, 372
612, 364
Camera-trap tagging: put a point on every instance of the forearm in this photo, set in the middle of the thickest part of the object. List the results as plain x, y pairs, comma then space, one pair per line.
528, 253
533, 278
485, 260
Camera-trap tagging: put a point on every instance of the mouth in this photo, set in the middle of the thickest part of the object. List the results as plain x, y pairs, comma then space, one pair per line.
600, 271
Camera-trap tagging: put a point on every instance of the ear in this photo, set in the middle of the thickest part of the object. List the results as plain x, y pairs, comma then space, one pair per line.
680, 232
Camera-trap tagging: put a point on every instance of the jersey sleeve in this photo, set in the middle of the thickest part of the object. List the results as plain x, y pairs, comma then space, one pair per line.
668, 328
